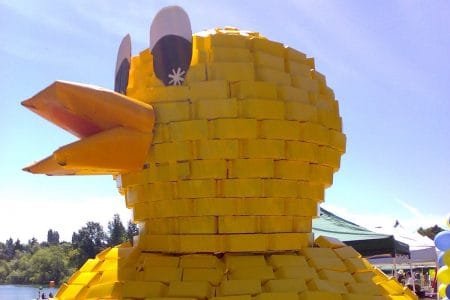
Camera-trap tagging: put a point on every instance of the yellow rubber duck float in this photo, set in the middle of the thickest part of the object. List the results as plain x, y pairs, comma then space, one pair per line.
222, 143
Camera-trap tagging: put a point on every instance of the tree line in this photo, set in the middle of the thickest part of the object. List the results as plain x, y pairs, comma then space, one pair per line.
37, 262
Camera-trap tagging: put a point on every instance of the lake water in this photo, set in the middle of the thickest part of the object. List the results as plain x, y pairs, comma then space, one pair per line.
22, 292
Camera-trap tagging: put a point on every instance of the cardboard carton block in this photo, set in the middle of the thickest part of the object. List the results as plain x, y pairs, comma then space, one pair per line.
292, 169
231, 71
105, 290
251, 168
229, 54
264, 59
290, 93
217, 206
213, 275
188, 130
166, 112
200, 188
330, 119
175, 151
356, 264
213, 89
329, 157
302, 224
310, 190
216, 108
300, 207
327, 286
193, 289
279, 260
298, 68
235, 261
201, 243
303, 151
167, 93
277, 296
279, 129
274, 224
162, 226
208, 168
288, 241
196, 72
262, 273
201, 261
162, 274
197, 225
272, 75
319, 295
321, 174
239, 224
285, 285
261, 109
296, 272
347, 252
246, 242
305, 83
264, 45
294, 55
253, 89
365, 288
142, 289
262, 148
140, 211
262, 207
239, 287
241, 187
217, 149
314, 133
298, 111
337, 276
280, 188
233, 128
328, 242
337, 140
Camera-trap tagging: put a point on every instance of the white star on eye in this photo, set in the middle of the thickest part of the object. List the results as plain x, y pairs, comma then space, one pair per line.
176, 78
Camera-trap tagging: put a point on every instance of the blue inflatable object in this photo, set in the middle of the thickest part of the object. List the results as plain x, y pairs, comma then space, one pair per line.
442, 240
447, 291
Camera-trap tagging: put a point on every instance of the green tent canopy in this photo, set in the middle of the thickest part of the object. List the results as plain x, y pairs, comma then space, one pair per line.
366, 242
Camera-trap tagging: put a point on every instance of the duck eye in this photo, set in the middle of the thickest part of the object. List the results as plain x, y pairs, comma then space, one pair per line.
171, 45
123, 65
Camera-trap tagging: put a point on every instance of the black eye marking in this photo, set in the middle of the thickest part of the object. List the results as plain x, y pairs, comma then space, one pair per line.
123, 66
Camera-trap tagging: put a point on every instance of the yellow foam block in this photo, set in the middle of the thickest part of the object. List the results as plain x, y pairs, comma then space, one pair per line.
391, 287
188, 130
302, 151
217, 149
365, 288
330, 119
295, 55
306, 83
232, 71
216, 108
262, 148
329, 157
327, 263
194, 289
133, 194
225, 40
175, 208
280, 129
239, 224
145, 57
273, 224
172, 111
213, 89
302, 224
217, 206
160, 133
251, 168
84, 278
297, 68
71, 291
270, 47
241, 187
299, 111
142, 289
319, 252
292, 272
280, 188
239, 287
367, 276
200, 188
131, 178
301, 207
167, 93
253, 89
90, 265
162, 226
261, 207
362, 297
272, 75
292, 169
327, 286
213, 275
346, 252
105, 290
356, 264
196, 73
197, 225
278, 260
337, 140
288, 241
234, 261
174, 151
289, 93
238, 297
314, 133
277, 296
246, 242
332, 275
311, 190
321, 174
233, 128
264, 59
328, 242
199, 261
316, 295
168, 171
159, 191
199, 57
262, 273
261, 109
208, 168
108, 276
285, 285
229, 54
140, 211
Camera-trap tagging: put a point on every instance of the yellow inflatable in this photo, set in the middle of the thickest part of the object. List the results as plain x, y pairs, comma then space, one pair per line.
224, 161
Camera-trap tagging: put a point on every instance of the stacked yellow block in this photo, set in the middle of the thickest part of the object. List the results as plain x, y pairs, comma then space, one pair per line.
243, 150
313, 273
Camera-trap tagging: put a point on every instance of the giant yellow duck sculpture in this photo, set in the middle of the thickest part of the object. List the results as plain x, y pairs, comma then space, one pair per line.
222, 143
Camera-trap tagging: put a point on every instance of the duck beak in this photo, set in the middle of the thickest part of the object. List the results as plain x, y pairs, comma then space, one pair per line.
115, 131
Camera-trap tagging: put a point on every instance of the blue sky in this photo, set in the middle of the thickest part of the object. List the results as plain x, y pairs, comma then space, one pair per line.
387, 61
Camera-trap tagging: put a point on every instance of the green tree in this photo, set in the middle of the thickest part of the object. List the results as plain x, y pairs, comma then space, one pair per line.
9, 250
52, 237
132, 230
89, 240
47, 264
117, 232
